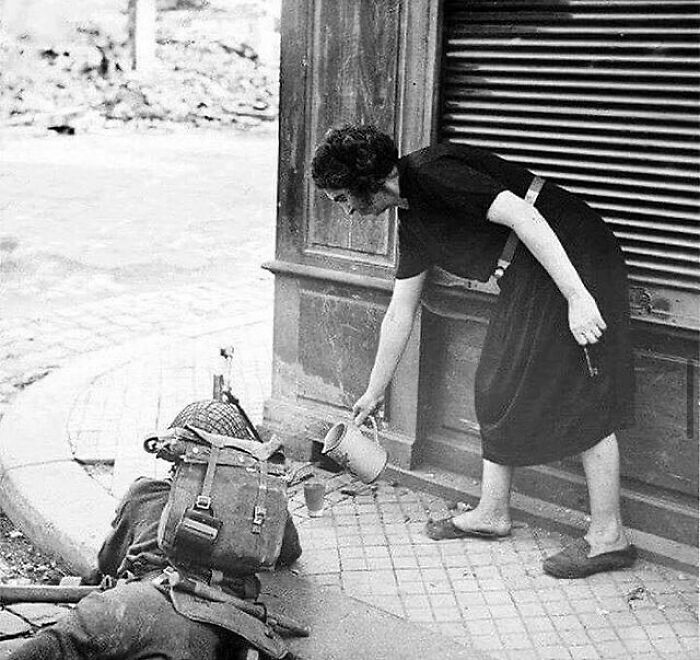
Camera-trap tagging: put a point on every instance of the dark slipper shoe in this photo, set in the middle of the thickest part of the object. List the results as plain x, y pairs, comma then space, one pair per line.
573, 561
445, 528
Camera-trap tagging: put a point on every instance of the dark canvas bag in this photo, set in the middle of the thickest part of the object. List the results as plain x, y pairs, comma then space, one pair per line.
227, 507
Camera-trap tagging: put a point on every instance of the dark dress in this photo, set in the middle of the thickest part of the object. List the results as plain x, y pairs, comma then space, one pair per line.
535, 400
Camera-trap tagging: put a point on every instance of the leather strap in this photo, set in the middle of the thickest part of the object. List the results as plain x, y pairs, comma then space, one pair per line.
260, 510
512, 241
204, 499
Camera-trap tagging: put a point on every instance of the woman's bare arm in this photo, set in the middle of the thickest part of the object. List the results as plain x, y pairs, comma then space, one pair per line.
585, 320
395, 331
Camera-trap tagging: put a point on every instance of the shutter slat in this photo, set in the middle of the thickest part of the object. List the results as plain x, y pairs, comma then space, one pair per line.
688, 244
459, 108
661, 267
527, 41
548, 134
610, 206
623, 21
566, 179
670, 255
601, 97
571, 123
680, 232
457, 6
572, 58
608, 31
538, 70
671, 283
589, 97
574, 151
474, 79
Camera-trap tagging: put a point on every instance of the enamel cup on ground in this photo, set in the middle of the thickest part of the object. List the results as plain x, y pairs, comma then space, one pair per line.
351, 449
314, 492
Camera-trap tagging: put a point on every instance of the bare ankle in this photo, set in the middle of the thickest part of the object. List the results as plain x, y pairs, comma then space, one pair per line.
607, 538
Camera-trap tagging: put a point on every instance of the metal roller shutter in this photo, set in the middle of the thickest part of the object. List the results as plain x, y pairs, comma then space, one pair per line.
602, 97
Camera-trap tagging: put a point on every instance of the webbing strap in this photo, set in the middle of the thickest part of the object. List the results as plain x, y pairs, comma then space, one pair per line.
204, 499
260, 511
512, 241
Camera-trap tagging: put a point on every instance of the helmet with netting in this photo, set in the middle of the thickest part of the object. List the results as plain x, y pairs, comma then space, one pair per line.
213, 416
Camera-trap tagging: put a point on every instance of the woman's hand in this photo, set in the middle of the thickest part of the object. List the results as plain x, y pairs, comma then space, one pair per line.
365, 406
585, 321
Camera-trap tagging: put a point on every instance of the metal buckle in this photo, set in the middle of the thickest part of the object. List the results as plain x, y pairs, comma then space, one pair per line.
203, 502
258, 518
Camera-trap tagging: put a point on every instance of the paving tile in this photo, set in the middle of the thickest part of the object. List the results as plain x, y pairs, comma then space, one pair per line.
558, 607
486, 642
465, 586
471, 599
542, 638
584, 653
659, 631
378, 563
567, 622
415, 601
685, 628
492, 584
668, 645
522, 654
554, 652
497, 598
649, 616
538, 624
611, 649
412, 588
443, 601
690, 644
521, 596
480, 627
637, 647
583, 606
420, 615
510, 625
455, 630
577, 637
503, 611
515, 641
447, 615
635, 632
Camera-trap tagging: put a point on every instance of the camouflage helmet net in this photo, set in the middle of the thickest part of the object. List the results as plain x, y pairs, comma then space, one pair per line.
212, 416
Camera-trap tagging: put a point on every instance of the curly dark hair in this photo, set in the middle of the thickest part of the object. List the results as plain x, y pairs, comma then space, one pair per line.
356, 157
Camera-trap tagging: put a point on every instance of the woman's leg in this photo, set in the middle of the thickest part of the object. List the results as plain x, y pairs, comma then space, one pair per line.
601, 465
493, 511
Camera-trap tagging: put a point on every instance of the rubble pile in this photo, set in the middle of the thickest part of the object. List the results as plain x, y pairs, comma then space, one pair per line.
205, 76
